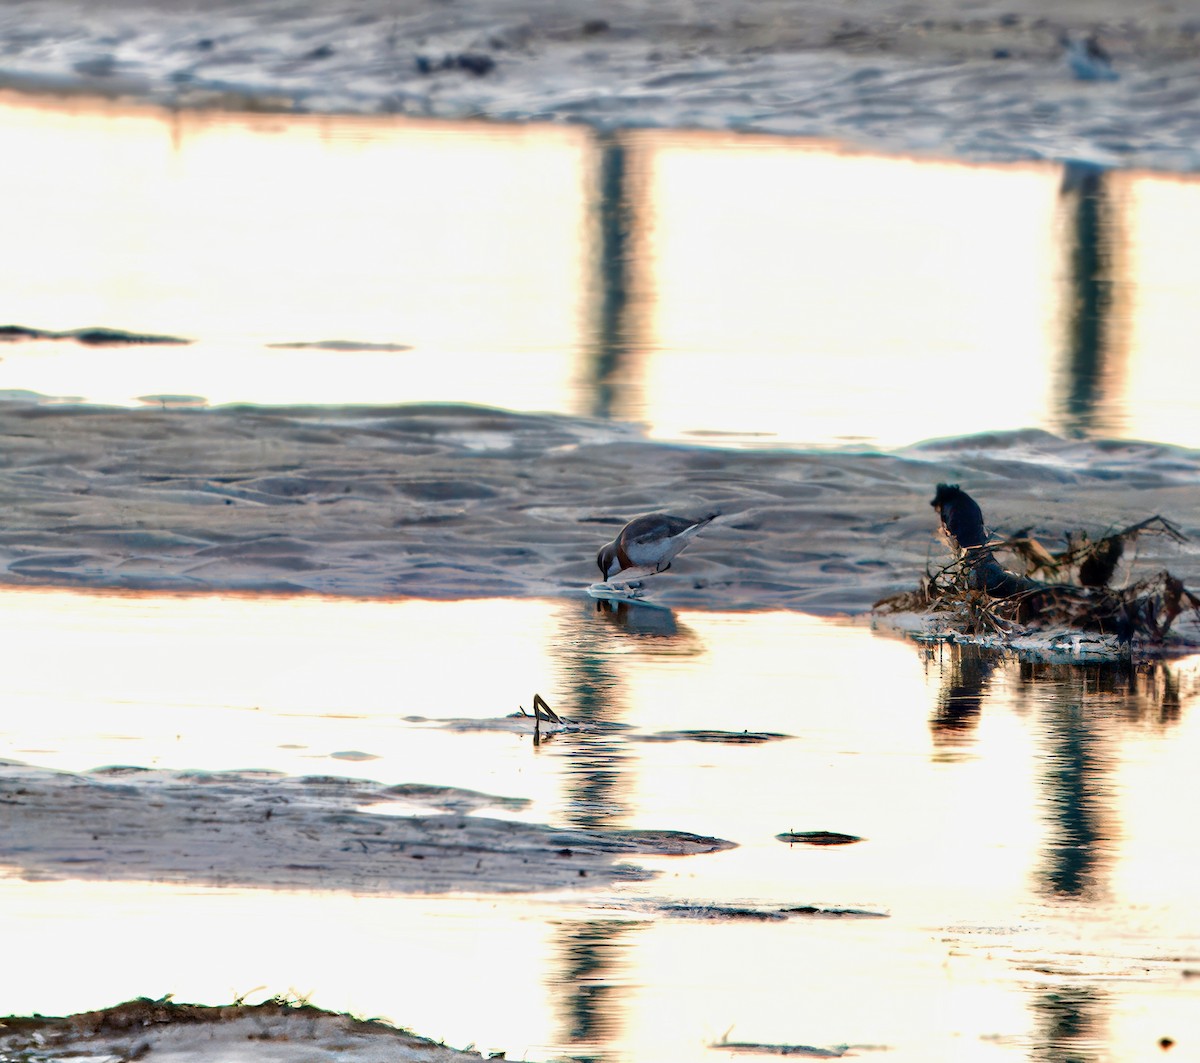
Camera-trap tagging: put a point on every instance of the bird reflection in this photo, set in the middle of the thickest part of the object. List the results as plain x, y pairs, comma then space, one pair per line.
650, 623
638, 620
965, 674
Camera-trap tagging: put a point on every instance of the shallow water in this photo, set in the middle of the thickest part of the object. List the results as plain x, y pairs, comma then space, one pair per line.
1023, 888
834, 298
1022, 855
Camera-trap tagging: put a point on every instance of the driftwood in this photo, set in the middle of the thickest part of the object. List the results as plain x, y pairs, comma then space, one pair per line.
1070, 589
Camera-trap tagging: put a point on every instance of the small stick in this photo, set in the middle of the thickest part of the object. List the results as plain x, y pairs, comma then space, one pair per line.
540, 706
540, 703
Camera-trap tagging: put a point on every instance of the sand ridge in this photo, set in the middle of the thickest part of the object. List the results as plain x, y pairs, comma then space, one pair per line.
260, 829
452, 502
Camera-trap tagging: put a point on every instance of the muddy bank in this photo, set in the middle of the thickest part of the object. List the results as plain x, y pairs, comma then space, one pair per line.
266, 830
276, 1031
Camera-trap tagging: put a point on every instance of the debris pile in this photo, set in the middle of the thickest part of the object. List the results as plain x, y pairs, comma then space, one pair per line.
1064, 592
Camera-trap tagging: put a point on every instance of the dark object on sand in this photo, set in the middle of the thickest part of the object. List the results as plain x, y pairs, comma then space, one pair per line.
817, 837
1087, 58
758, 1049
975, 594
648, 542
476, 63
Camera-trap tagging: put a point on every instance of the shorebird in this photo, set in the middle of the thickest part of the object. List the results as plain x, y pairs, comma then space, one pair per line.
1087, 58
961, 516
648, 542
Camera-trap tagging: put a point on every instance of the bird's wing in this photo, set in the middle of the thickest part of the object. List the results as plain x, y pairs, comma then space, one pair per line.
658, 527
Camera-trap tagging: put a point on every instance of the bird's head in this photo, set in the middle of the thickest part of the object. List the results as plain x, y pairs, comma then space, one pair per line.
607, 560
945, 495
961, 517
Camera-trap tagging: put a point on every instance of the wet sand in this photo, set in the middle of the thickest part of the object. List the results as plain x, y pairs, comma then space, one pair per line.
444, 502
264, 830
987, 81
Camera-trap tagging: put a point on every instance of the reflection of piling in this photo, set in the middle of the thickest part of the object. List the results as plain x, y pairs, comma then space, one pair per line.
1068, 1024
1070, 787
597, 788
1087, 211
599, 781
598, 784
592, 957
592, 680
614, 213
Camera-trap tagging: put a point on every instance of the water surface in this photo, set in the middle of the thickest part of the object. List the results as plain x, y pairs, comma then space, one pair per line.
1023, 886
746, 290
1021, 844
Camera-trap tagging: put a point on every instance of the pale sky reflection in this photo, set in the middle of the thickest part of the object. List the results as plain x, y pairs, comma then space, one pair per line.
780, 291
214, 683
1160, 260
242, 231
849, 293
791, 676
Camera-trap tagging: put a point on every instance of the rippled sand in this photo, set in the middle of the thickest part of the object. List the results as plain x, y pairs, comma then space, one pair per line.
988, 82
449, 502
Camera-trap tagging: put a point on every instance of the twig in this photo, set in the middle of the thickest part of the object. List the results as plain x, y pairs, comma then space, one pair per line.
540, 703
